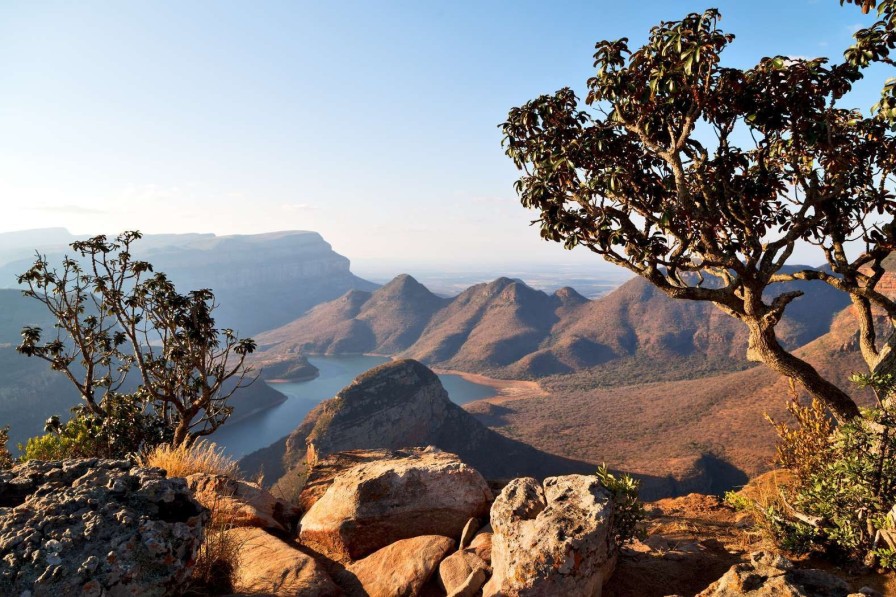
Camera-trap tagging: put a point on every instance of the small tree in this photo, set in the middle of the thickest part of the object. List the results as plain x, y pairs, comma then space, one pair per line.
703, 179
115, 315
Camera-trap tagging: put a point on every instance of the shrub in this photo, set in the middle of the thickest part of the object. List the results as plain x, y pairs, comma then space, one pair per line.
845, 483
121, 432
628, 511
6, 459
182, 460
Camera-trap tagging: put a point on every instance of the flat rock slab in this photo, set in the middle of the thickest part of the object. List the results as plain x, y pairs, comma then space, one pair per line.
269, 566
401, 569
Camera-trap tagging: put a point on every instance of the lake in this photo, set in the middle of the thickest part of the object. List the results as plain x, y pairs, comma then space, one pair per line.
264, 428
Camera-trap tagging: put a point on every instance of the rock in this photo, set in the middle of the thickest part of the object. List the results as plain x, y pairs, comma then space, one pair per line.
398, 570
472, 585
455, 571
481, 545
468, 533
270, 566
772, 575
412, 493
240, 503
95, 527
553, 539
322, 474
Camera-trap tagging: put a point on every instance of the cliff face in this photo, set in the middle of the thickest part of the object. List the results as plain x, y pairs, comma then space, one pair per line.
261, 281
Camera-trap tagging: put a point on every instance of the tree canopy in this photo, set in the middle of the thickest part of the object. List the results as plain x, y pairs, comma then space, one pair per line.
704, 178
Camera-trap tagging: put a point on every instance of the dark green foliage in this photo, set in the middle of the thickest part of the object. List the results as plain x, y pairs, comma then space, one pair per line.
703, 179
628, 511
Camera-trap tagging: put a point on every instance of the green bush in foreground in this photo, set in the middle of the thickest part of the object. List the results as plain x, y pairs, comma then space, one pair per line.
845, 483
628, 511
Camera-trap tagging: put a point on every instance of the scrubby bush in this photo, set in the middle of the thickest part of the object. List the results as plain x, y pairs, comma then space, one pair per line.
844, 482
6, 459
120, 431
628, 511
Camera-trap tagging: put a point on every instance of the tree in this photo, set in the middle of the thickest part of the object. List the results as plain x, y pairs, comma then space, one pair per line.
115, 315
703, 179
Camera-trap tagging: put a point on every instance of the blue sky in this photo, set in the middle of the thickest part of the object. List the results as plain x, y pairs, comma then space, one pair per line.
373, 123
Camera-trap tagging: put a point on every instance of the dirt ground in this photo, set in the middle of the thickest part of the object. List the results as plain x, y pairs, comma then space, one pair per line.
692, 541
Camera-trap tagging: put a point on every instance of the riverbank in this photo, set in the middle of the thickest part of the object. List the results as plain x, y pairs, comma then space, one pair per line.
506, 390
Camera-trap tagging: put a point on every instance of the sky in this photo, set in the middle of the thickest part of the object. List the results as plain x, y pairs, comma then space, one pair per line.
374, 123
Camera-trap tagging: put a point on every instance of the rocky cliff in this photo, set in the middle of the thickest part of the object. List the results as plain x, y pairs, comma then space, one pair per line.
397, 405
261, 281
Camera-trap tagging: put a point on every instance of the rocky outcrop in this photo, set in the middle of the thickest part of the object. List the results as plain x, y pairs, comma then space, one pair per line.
95, 527
412, 493
241, 503
402, 404
772, 575
270, 566
401, 569
552, 539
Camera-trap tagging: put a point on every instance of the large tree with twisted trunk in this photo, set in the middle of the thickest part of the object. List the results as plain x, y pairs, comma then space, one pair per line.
703, 179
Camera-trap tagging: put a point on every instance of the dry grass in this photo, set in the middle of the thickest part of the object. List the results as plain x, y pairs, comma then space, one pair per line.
218, 557
181, 461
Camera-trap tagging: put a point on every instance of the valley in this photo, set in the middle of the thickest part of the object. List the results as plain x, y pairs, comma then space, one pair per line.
657, 387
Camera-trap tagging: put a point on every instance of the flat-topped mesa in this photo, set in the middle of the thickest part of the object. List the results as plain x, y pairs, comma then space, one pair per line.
395, 405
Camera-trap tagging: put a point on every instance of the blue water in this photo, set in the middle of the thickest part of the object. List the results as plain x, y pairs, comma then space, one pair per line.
261, 430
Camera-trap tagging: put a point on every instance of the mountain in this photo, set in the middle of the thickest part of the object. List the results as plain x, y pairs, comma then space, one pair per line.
689, 430
387, 321
402, 404
261, 281
507, 329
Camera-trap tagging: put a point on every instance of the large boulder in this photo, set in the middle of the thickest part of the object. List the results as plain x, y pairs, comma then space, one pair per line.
552, 539
241, 503
270, 566
321, 476
95, 527
401, 569
772, 575
411, 493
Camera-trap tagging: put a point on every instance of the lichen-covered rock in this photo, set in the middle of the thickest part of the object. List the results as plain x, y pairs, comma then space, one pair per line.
412, 493
773, 575
241, 503
270, 566
553, 539
397, 570
95, 527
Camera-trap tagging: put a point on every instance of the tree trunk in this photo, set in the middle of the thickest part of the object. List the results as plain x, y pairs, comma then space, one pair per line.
764, 347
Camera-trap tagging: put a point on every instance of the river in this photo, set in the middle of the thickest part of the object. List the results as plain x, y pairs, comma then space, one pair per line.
264, 428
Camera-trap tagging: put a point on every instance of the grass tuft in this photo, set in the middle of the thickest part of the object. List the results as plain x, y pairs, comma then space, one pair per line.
181, 461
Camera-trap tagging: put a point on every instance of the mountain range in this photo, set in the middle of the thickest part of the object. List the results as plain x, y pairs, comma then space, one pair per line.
507, 329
